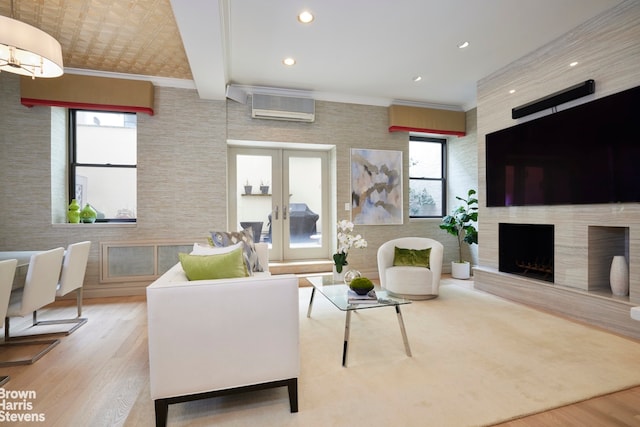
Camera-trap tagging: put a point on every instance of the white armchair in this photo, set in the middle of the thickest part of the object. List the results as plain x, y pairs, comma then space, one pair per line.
408, 281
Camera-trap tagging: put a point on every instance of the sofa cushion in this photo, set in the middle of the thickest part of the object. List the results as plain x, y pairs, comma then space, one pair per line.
204, 249
220, 266
411, 257
228, 238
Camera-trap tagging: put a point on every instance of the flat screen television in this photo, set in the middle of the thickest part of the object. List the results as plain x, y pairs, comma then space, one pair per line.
587, 154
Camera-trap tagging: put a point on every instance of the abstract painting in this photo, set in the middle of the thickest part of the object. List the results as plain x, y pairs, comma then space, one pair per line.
376, 187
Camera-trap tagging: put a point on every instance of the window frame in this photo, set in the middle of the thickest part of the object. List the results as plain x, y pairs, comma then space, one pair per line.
442, 178
74, 164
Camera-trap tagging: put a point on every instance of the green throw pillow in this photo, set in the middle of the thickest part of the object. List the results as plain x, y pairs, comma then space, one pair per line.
227, 238
207, 267
412, 257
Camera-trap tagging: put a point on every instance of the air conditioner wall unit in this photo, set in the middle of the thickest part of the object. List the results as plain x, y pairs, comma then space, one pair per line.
275, 107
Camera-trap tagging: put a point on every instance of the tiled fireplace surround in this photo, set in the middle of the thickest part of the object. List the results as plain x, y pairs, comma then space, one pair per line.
552, 284
527, 250
585, 237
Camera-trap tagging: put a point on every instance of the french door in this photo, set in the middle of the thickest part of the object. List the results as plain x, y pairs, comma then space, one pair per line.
282, 195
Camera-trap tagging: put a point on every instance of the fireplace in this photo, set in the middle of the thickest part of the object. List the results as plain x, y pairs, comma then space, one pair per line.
526, 250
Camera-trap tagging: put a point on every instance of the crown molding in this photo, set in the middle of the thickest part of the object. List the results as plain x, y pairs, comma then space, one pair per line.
157, 81
339, 97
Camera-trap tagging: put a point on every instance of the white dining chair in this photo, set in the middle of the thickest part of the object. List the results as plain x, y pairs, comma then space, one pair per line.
7, 273
39, 290
74, 267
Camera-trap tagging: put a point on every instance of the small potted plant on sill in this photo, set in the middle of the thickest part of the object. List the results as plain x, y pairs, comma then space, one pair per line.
247, 188
462, 224
264, 188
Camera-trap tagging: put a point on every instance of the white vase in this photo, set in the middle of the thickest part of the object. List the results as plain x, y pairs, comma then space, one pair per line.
339, 277
460, 270
619, 276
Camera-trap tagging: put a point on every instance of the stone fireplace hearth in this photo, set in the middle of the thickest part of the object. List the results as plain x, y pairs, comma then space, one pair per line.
527, 250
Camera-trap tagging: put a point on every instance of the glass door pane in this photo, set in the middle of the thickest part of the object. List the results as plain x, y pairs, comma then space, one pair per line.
289, 214
254, 190
304, 180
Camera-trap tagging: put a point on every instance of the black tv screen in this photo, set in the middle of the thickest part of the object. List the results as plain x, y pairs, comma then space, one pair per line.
583, 155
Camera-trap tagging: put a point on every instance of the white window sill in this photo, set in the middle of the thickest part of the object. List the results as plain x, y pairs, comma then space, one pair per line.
98, 225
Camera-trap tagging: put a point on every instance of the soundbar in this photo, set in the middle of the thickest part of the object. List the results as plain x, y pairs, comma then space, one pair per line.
569, 94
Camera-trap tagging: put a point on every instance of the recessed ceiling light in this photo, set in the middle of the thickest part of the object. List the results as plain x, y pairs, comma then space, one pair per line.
289, 61
573, 64
463, 45
305, 17
512, 91
417, 78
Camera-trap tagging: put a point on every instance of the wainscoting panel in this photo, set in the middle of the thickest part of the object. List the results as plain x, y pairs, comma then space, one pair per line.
138, 261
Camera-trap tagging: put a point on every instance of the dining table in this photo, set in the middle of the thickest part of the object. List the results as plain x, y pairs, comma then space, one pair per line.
23, 257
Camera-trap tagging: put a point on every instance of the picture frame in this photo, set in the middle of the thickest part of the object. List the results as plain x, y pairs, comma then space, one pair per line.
376, 187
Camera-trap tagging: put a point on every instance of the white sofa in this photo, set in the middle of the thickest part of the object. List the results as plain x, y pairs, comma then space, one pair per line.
216, 337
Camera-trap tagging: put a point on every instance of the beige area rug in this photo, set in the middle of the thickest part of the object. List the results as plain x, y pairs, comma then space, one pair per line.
477, 360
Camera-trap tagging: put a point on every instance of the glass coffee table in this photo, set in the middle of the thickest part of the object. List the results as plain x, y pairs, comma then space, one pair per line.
337, 294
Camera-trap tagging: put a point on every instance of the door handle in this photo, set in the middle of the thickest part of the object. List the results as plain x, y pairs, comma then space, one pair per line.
276, 212
284, 212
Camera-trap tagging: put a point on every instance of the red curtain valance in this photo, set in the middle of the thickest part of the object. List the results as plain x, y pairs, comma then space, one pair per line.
427, 120
89, 92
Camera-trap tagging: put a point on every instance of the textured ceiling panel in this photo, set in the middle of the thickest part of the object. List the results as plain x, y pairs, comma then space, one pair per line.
123, 36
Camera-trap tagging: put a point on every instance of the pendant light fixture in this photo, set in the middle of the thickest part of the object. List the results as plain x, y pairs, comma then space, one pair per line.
27, 50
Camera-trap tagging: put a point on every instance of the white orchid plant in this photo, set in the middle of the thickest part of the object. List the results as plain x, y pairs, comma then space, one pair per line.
346, 241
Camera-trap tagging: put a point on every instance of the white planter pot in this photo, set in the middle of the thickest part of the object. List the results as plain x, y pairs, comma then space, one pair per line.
460, 270
339, 277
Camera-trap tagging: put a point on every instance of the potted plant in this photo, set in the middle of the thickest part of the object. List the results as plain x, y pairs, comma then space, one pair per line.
346, 241
247, 188
461, 223
264, 188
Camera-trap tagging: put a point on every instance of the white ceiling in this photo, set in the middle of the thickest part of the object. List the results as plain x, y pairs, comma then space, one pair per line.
368, 51
362, 51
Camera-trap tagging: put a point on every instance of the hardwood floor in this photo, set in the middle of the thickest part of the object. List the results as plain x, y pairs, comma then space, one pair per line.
620, 409
95, 376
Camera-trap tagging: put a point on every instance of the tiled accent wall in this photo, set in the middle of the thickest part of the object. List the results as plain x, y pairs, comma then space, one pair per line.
608, 50
182, 185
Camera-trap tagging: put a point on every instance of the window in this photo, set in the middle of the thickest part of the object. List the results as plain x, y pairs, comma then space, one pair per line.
103, 158
427, 185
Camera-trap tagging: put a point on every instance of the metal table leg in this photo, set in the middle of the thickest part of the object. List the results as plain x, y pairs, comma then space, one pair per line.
345, 347
404, 332
313, 292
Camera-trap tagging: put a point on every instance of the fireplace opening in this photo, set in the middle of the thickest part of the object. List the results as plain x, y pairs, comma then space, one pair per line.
526, 250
